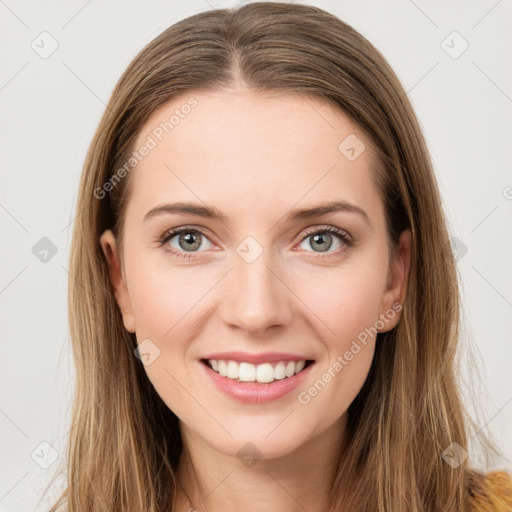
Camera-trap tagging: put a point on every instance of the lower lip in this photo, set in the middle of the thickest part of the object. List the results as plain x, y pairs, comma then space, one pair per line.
255, 393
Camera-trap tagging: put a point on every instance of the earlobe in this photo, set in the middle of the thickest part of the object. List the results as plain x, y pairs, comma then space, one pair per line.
109, 248
396, 291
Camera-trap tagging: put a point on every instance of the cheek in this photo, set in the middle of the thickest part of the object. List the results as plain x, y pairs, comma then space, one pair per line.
162, 298
350, 311
166, 304
347, 300
345, 310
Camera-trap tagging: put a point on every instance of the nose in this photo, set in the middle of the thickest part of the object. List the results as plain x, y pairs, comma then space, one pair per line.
256, 297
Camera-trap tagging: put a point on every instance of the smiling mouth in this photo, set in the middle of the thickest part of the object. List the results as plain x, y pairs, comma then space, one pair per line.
265, 373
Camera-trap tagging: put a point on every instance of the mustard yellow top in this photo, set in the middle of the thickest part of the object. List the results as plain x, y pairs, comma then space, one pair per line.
495, 495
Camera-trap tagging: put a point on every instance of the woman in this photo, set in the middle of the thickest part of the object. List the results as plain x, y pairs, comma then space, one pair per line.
264, 309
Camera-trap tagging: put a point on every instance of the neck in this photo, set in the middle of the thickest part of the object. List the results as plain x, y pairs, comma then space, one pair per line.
212, 481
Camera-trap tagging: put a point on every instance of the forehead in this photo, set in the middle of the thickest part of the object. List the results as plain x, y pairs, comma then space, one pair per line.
242, 147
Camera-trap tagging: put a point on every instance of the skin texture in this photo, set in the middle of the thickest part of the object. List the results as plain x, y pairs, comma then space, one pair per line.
255, 158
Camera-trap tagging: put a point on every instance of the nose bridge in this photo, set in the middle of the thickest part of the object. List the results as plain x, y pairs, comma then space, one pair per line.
256, 298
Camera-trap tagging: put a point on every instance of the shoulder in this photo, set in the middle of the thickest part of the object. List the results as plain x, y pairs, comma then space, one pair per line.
492, 493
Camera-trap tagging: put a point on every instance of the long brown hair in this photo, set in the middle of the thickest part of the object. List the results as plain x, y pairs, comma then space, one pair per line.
125, 444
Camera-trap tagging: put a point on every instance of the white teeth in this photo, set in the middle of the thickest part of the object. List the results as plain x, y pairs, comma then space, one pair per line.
223, 368
279, 371
247, 372
232, 370
299, 366
263, 373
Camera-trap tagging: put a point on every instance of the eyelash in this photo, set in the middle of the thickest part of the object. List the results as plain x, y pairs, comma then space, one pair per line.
345, 238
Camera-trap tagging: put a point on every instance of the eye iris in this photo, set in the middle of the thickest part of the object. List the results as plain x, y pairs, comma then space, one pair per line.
321, 238
192, 241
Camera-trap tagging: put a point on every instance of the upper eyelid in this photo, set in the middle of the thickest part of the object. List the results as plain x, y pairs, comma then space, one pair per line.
327, 228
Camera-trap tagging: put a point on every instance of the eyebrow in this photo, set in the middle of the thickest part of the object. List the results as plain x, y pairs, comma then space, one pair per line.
210, 212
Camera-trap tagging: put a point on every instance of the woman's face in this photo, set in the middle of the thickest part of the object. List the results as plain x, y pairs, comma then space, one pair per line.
255, 278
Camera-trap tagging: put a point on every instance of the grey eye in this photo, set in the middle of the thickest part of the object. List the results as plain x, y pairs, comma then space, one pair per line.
321, 241
189, 241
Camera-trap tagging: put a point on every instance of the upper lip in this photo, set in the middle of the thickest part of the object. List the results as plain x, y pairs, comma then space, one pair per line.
263, 357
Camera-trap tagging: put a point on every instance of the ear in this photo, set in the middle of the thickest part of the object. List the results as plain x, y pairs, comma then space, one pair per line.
396, 288
117, 280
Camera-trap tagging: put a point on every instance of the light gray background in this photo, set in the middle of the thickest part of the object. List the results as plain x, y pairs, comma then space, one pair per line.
51, 107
